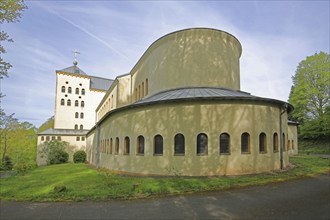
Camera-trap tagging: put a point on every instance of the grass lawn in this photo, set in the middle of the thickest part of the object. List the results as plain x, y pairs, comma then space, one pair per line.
84, 183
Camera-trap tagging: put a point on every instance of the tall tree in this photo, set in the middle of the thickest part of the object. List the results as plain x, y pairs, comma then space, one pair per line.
310, 95
10, 11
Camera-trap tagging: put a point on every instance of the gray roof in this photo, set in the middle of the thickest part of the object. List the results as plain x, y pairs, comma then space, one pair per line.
194, 93
204, 93
100, 83
73, 69
73, 132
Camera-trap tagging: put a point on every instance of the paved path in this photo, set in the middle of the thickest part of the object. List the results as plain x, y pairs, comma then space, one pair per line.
306, 198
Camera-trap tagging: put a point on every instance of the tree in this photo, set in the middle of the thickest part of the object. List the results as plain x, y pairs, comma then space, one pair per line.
48, 124
10, 11
17, 139
54, 151
310, 95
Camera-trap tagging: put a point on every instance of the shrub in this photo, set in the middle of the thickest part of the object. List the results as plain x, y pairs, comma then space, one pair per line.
6, 164
23, 167
55, 152
79, 156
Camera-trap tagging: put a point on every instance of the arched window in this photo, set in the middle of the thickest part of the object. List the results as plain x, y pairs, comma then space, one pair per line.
76, 103
76, 115
126, 145
139, 92
140, 145
117, 146
289, 146
63, 89
224, 143
81, 127
142, 90
179, 145
158, 145
275, 142
283, 142
82, 104
111, 101
262, 143
62, 102
110, 145
83, 91
81, 115
136, 94
68, 103
69, 90
292, 144
77, 91
76, 127
146, 87
202, 144
245, 143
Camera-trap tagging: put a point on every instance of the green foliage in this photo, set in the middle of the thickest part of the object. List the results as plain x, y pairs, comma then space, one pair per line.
79, 156
10, 11
6, 164
48, 124
22, 168
84, 183
310, 95
314, 147
17, 139
55, 152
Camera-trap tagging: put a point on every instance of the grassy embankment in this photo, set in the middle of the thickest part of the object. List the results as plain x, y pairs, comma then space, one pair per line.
85, 183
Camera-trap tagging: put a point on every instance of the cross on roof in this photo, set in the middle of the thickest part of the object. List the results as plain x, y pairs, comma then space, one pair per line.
75, 52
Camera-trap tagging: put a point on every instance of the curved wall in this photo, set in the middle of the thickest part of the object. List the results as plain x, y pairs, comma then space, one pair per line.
190, 119
189, 58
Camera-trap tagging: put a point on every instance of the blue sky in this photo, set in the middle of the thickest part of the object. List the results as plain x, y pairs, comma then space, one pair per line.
112, 35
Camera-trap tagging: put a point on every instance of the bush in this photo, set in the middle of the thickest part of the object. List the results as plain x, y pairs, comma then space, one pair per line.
23, 167
6, 164
55, 152
79, 156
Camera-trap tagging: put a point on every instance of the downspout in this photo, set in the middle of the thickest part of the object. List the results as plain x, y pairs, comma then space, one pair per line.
285, 106
98, 146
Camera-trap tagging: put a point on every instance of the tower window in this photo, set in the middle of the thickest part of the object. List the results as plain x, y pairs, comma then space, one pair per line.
76, 103
62, 102
63, 89
77, 91
83, 91
69, 90
82, 104
81, 127
76, 115
68, 103
76, 127
81, 115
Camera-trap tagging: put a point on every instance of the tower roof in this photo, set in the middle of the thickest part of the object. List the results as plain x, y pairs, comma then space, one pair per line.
74, 70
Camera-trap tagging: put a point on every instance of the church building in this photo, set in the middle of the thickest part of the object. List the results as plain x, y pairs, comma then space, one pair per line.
180, 111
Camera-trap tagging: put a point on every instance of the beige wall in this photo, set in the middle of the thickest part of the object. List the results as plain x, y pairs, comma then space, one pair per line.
293, 138
181, 59
190, 119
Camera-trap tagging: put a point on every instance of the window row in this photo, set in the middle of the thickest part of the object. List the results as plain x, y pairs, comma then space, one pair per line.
78, 138
141, 90
76, 103
48, 138
70, 90
106, 145
77, 115
81, 127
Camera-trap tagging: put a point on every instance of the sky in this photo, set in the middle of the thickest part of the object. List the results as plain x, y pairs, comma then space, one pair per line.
111, 36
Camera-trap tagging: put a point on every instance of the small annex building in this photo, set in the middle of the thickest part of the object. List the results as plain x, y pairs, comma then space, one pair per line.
180, 111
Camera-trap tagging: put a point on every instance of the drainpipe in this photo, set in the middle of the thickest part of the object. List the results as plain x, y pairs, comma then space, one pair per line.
98, 146
284, 107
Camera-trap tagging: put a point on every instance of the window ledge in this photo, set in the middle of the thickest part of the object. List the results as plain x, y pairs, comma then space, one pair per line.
178, 154
224, 153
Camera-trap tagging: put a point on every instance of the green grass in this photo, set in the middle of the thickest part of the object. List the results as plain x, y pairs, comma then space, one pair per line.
84, 183
314, 147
